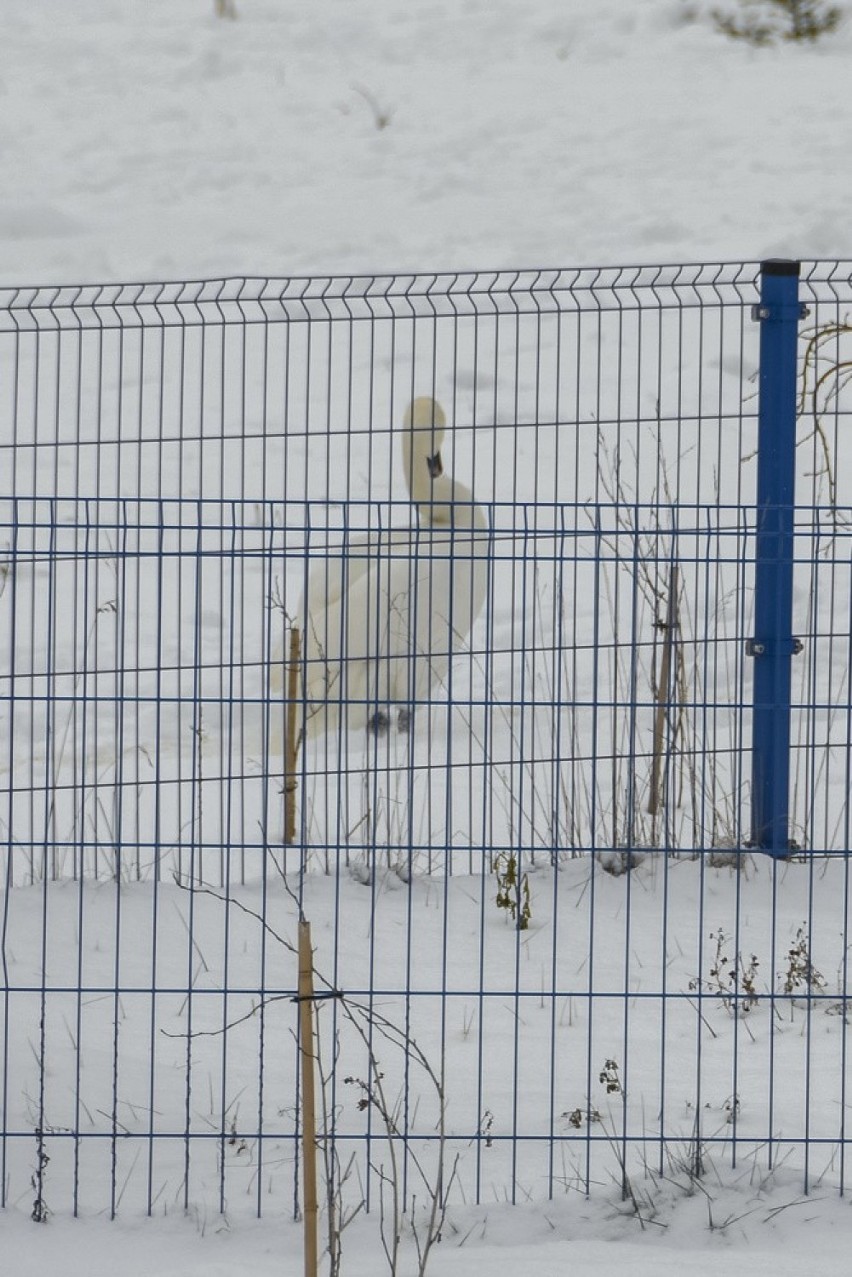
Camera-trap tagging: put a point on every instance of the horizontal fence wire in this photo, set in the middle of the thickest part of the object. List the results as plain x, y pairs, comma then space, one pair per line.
521, 825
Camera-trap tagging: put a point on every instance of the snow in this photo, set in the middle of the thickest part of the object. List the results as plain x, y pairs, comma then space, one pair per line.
153, 141
669, 1212
544, 1242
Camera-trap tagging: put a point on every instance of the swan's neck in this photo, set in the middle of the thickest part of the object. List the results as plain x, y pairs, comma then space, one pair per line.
418, 470
450, 504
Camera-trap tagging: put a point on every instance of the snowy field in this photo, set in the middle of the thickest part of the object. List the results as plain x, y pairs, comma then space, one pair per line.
150, 141
155, 142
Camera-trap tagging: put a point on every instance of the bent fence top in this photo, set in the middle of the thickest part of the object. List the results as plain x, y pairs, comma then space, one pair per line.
400, 296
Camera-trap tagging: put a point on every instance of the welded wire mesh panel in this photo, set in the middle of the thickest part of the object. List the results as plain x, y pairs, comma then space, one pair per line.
823, 603
278, 390
511, 519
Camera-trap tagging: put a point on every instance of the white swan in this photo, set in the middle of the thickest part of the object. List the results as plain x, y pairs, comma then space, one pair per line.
381, 620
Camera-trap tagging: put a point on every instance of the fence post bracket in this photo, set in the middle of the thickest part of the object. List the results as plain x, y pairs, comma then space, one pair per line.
759, 647
777, 313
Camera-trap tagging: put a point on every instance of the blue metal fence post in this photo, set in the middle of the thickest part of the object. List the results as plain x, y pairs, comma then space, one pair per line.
773, 645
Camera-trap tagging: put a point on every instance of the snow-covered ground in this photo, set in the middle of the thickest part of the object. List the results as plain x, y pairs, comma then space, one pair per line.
515, 1061
153, 141
150, 140
781, 1236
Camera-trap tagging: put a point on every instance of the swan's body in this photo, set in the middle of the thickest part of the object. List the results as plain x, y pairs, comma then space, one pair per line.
381, 620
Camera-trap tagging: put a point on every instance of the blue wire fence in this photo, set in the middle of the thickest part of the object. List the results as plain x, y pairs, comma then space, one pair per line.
573, 651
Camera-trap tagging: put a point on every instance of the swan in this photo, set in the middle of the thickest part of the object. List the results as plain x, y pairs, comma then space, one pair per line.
380, 621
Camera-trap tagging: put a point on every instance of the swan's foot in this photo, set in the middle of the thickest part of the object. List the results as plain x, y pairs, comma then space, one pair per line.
378, 723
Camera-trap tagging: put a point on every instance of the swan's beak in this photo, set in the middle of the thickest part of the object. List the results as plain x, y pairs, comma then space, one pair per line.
436, 466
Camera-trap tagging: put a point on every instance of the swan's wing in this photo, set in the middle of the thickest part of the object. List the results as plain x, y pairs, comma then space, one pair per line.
381, 628
339, 569
358, 648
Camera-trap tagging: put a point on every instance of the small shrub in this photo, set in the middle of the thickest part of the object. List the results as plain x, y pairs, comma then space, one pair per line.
734, 980
609, 1077
763, 22
801, 976
580, 1117
513, 890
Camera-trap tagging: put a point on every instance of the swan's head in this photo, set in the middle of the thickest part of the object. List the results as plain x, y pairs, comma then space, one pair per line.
425, 425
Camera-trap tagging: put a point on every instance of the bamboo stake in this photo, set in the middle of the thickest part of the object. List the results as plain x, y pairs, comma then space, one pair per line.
663, 692
291, 747
309, 1120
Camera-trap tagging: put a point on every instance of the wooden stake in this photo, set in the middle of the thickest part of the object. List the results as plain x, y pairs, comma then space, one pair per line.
663, 693
291, 746
307, 1054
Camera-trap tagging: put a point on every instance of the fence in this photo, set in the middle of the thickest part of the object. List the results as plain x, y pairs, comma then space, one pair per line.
564, 673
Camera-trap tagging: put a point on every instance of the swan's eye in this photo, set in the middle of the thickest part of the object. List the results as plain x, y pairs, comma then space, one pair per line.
436, 465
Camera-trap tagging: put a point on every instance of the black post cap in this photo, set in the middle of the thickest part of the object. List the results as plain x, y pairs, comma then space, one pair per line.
780, 266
